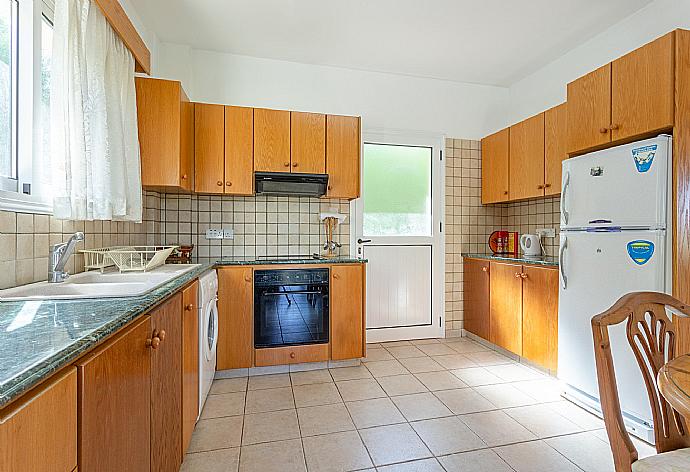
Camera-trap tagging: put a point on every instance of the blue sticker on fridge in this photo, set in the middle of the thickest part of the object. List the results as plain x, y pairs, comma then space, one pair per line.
640, 251
644, 156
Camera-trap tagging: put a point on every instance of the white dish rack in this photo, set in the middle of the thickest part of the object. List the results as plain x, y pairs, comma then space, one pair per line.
126, 258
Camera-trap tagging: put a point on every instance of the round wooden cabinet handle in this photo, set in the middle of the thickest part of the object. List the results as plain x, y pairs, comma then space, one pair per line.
161, 335
505, 192
523, 275
287, 164
294, 164
603, 130
330, 187
247, 278
184, 177
485, 269
540, 187
219, 183
547, 185
336, 276
292, 355
153, 343
189, 307
228, 184
518, 275
614, 127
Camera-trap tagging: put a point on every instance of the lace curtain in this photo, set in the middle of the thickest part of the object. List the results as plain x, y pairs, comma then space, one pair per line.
96, 170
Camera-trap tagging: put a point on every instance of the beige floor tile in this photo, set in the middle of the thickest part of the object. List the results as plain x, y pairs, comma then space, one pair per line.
274, 399
484, 358
447, 435
577, 415
542, 420
515, 372
351, 373
421, 406
586, 450
423, 465
535, 456
309, 377
279, 456
504, 395
424, 342
220, 460
544, 390
421, 364
374, 412
271, 426
477, 376
316, 394
437, 349
404, 352
386, 368
484, 460
402, 385
229, 385
454, 361
377, 355
262, 382
324, 419
443, 380
394, 443
362, 389
497, 428
336, 452
216, 433
464, 400
396, 343
643, 449
467, 346
224, 404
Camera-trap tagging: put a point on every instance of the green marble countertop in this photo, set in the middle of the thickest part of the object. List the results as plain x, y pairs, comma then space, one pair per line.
543, 261
279, 261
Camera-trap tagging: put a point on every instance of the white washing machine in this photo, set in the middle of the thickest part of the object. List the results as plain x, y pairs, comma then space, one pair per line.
208, 333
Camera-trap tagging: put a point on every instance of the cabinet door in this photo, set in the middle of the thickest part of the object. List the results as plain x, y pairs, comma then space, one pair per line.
271, 140
642, 84
555, 135
190, 363
589, 110
347, 311
38, 433
527, 158
186, 143
239, 151
495, 154
308, 142
343, 146
209, 148
476, 297
166, 387
235, 315
540, 316
115, 403
506, 306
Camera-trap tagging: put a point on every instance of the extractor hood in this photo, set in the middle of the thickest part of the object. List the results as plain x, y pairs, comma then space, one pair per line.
284, 183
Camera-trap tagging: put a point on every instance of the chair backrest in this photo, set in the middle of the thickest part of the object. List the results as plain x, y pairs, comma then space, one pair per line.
652, 338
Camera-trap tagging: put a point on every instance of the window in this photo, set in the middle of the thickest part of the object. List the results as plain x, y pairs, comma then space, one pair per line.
8, 102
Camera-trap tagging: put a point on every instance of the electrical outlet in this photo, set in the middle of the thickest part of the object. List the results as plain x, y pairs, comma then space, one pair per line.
214, 234
228, 234
546, 232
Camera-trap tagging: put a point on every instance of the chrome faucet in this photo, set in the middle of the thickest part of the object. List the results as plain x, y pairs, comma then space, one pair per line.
59, 255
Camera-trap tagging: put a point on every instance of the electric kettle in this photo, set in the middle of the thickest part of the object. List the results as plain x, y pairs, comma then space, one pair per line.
530, 244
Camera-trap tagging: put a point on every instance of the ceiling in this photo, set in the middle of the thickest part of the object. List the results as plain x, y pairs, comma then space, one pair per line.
494, 42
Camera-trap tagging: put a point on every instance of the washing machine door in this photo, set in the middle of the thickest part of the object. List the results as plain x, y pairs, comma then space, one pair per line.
210, 339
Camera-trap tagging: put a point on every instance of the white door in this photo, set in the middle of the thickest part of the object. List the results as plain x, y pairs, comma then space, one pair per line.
398, 228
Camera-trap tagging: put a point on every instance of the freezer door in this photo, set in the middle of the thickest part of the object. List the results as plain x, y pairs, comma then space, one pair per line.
596, 270
623, 186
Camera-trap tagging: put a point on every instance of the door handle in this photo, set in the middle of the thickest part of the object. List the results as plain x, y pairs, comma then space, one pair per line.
564, 213
362, 241
564, 279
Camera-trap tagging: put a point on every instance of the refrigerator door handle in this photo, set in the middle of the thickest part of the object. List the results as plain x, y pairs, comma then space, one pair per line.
566, 183
564, 278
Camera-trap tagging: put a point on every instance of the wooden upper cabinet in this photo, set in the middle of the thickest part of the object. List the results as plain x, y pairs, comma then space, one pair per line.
642, 89
165, 119
38, 432
271, 140
235, 318
308, 142
343, 147
190, 363
115, 403
209, 148
347, 311
505, 306
589, 110
540, 316
239, 151
555, 132
527, 158
476, 293
495, 158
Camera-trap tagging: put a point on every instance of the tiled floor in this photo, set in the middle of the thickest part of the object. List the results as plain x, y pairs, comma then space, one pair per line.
439, 405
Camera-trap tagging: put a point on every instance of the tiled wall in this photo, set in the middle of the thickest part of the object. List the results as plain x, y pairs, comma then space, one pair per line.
262, 225
527, 217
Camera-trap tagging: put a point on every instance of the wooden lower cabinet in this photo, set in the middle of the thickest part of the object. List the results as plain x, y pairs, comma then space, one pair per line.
235, 315
347, 311
190, 363
476, 290
540, 316
505, 306
38, 433
291, 355
115, 403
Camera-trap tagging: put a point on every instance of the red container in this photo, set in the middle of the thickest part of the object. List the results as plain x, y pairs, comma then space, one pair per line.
503, 242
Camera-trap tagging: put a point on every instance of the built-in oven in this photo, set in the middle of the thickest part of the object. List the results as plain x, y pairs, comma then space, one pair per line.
290, 307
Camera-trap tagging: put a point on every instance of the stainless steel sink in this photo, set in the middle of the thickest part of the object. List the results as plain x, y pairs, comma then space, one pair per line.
111, 283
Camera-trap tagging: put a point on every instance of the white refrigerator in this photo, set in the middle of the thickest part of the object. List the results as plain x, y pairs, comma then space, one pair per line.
615, 239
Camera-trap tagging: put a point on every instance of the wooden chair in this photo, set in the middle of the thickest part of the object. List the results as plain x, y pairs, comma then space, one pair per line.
652, 337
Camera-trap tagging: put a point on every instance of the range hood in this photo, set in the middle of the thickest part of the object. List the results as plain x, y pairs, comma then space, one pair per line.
284, 183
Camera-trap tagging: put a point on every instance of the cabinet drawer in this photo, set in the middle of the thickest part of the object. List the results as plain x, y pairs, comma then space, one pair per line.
291, 355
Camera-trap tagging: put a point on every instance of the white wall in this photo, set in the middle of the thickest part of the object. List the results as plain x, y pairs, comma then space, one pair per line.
150, 38
547, 86
385, 101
